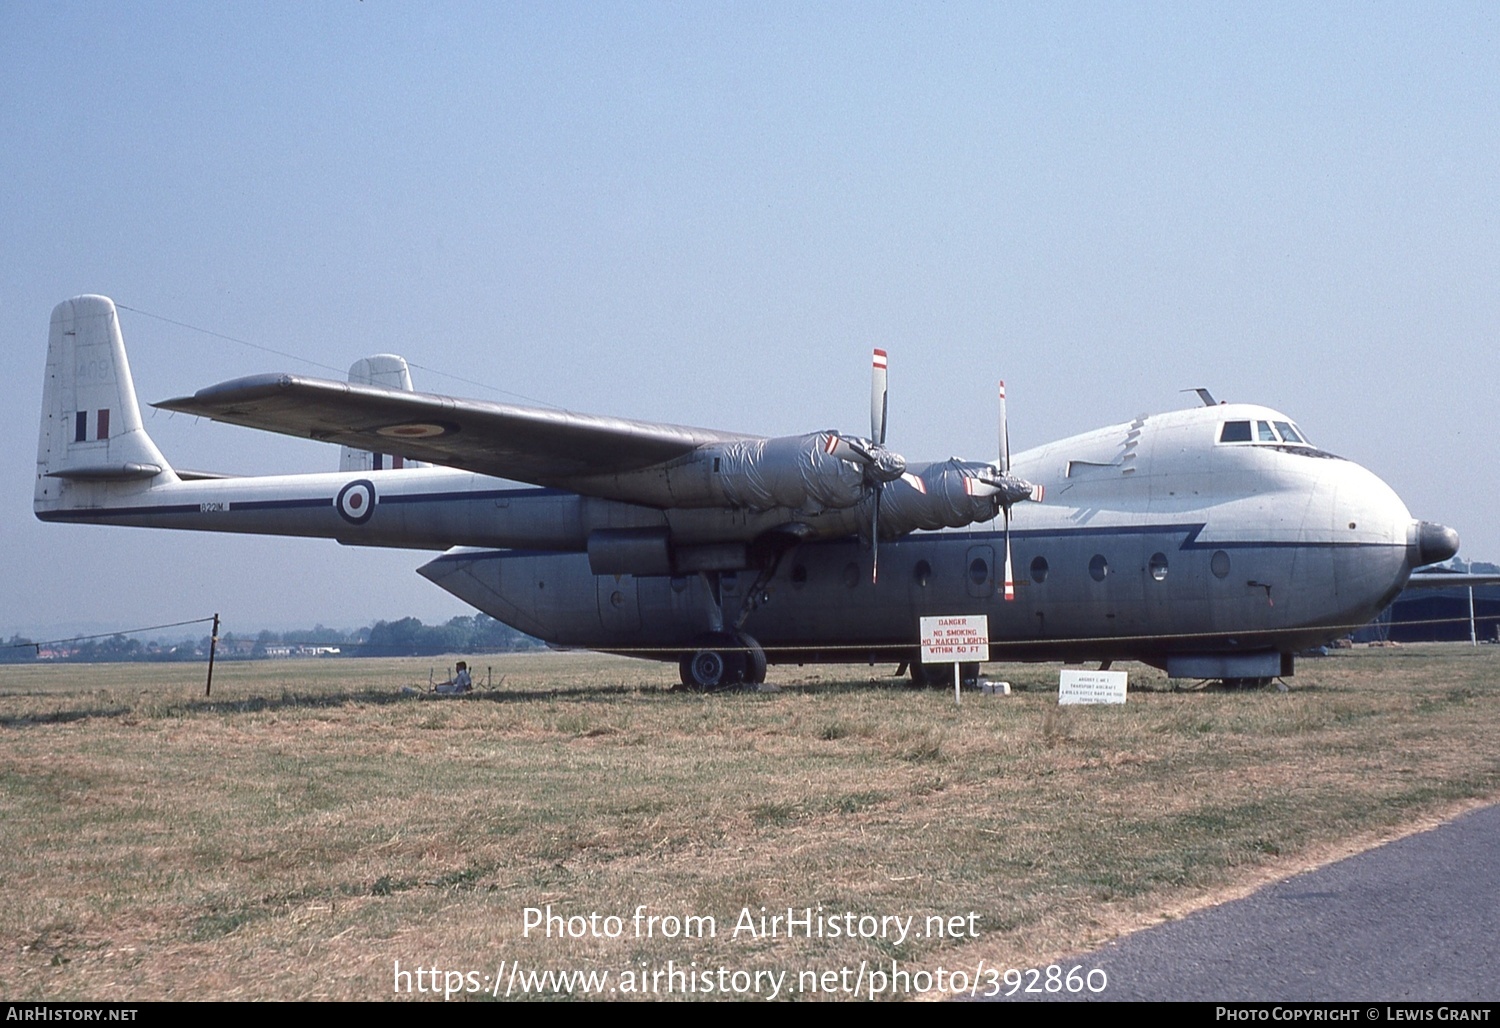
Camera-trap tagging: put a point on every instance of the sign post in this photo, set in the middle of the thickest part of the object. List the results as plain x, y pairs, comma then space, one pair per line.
956, 638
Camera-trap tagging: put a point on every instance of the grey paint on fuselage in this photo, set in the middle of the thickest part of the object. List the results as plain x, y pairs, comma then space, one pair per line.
1234, 548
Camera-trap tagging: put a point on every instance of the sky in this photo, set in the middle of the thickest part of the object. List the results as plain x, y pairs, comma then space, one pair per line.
708, 214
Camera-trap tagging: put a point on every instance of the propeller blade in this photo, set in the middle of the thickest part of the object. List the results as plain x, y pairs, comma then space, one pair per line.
878, 400
1010, 579
852, 449
879, 464
1004, 433
986, 481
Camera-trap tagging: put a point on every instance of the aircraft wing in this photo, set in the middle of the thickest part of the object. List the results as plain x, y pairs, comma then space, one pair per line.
1449, 580
526, 444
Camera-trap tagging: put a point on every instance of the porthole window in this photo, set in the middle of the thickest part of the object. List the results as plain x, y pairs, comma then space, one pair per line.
851, 574
1039, 570
1219, 563
1098, 567
799, 575
679, 583
979, 571
1158, 566
922, 573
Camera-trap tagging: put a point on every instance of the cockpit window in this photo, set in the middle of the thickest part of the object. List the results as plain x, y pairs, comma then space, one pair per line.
1288, 433
1282, 433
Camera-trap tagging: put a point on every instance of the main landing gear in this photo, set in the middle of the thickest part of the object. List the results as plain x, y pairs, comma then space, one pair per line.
940, 676
729, 657
723, 660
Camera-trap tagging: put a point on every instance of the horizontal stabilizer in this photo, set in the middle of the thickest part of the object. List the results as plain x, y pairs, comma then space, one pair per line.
105, 472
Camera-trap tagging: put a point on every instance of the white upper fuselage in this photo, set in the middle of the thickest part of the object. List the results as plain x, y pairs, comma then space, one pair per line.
1174, 467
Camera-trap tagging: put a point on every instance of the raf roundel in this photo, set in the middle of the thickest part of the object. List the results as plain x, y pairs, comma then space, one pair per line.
415, 430
356, 501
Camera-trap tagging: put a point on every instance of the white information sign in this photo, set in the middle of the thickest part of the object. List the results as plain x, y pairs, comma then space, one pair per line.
959, 637
1091, 687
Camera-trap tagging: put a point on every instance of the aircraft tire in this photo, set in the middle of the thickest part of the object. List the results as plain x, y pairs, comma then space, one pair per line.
755, 658
940, 676
931, 676
719, 662
1244, 683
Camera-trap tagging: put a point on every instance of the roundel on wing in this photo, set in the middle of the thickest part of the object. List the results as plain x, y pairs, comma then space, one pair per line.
356, 501
415, 430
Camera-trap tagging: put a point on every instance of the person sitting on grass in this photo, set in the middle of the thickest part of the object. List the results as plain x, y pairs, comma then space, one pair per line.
459, 683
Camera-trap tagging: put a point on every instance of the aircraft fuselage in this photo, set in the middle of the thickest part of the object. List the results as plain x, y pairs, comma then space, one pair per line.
1215, 541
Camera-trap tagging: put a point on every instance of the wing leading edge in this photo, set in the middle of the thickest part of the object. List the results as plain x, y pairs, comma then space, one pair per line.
526, 444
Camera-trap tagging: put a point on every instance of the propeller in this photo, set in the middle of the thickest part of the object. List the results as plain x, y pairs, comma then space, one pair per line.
1010, 578
997, 481
878, 464
878, 403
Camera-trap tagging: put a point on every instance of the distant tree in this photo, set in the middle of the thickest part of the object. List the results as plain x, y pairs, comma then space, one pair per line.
18, 650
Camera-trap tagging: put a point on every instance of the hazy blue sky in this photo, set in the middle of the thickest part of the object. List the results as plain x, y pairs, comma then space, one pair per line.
709, 213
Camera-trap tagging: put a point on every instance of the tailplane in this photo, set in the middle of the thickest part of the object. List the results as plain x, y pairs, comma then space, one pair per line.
91, 430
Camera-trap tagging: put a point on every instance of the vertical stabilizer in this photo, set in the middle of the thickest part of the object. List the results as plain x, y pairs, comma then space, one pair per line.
390, 372
91, 424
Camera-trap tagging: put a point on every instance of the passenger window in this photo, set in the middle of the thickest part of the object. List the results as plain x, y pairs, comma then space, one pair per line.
1039, 570
1098, 567
922, 573
1235, 432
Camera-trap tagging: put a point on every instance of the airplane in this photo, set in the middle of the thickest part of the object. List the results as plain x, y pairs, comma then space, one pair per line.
1214, 542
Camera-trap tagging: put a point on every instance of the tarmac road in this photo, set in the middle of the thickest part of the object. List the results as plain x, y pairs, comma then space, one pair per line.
1417, 919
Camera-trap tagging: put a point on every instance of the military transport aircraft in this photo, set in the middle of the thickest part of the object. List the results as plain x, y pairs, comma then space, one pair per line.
1215, 542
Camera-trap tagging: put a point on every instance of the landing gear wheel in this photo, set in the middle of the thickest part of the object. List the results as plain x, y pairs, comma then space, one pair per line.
1244, 683
718, 662
931, 676
755, 659
940, 676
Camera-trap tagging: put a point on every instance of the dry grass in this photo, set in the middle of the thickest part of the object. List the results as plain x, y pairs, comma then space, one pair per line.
308, 826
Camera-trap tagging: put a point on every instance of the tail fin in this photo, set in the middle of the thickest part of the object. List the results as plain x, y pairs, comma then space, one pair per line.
391, 372
91, 424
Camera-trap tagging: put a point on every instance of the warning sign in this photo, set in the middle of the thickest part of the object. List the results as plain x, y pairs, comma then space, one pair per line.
960, 637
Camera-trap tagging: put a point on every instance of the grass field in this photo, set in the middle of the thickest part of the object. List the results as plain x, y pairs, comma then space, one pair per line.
306, 828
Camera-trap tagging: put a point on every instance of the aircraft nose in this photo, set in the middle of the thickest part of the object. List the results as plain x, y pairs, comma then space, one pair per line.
1435, 543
